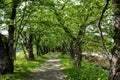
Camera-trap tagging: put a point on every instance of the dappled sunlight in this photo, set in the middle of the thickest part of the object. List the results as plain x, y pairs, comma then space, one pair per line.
47, 75
53, 60
51, 70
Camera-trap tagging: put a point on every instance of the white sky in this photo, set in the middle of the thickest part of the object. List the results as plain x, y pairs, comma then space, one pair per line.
4, 32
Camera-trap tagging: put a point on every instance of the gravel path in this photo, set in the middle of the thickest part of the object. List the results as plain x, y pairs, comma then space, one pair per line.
51, 70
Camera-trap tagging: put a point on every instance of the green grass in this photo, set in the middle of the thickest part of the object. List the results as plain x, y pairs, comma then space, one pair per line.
88, 71
24, 68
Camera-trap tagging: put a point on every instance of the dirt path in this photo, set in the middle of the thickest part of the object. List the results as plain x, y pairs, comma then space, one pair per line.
51, 70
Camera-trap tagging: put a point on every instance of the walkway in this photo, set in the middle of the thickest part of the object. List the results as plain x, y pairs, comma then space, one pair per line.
51, 70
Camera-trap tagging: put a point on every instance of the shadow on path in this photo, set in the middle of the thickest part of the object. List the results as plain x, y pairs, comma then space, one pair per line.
51, 70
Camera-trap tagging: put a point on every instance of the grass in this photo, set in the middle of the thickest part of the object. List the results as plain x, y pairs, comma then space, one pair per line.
88, 71
24, 68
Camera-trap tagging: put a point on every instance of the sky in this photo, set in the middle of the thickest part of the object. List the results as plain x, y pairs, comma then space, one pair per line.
5, 32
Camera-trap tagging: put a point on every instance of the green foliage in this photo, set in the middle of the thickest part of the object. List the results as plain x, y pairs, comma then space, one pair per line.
66, 62
24, 68
47, 21
88, 71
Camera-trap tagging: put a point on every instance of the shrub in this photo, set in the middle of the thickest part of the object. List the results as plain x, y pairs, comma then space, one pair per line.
88, 71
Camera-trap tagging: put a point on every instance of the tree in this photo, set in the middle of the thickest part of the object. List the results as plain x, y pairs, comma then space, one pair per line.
7, 47
115, 61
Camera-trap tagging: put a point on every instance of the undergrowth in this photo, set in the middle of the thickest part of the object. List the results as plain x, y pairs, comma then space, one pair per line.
88, 71
24, 68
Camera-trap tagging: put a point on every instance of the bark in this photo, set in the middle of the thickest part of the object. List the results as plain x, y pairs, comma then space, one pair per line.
28, 43
30, 48
7, 50
11, 41
78, 49
115, 62
6, 62
101, 32
72, 53
76, 53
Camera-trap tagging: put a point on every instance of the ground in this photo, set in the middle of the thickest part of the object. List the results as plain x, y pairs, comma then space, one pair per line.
51, 70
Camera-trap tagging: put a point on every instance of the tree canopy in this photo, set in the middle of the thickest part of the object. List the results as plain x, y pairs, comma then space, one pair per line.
68, 26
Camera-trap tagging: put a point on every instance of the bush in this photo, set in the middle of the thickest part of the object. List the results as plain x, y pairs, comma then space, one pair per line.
88, 71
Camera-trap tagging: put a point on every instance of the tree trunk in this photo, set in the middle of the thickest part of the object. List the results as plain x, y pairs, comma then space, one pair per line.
11, 41
78, 52
38, 50
72, 54
7, 50
78, 44
37, 44
115, 62
6, 62
26, 56
75, 53
64, 48
30, 48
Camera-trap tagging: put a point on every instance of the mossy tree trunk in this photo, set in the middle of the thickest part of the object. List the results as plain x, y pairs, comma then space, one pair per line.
77, 46
78, 51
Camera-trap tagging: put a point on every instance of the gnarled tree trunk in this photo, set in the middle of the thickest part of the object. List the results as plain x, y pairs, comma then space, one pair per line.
6, 62
115, 62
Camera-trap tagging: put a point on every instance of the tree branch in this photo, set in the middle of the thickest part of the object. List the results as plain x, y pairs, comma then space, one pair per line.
100, 30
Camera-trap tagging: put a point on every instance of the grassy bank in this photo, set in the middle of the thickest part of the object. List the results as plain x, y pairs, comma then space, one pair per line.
88, 71
23, 68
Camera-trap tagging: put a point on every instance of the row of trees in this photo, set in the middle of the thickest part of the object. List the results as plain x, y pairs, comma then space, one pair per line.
68, 26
